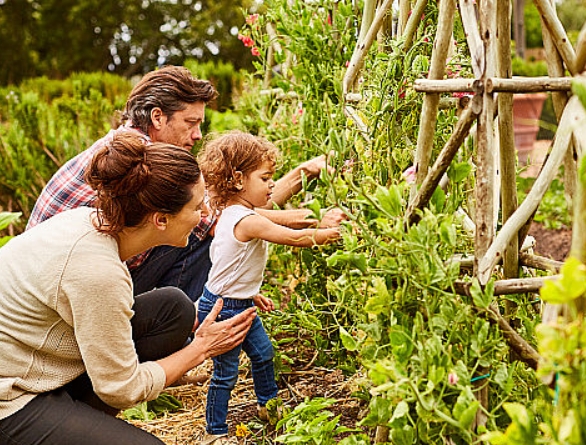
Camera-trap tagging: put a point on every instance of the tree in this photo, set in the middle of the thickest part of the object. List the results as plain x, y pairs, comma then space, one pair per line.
58, 37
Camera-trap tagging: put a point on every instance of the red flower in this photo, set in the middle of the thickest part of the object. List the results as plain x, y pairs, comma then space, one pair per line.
254, 51
246, 41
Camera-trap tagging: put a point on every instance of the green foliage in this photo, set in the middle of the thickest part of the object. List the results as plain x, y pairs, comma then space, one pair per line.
7, 218
223, 76
59, 37
44, 123
311, 423
528, 68
553, 209
533, 35
559, 416
153, 408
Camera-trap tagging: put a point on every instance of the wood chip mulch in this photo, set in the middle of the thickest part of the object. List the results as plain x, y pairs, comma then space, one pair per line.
187, 425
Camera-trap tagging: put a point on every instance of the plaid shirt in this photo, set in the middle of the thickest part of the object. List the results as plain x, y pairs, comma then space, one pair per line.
67, 189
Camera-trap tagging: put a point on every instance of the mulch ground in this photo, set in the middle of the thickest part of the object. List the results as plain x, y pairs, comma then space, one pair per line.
187, 425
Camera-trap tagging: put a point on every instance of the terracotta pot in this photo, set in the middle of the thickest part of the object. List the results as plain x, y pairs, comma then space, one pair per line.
526, 112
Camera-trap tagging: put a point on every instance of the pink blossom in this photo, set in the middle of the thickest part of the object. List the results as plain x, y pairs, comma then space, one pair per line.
251, 19
409, 175
255, 51
452, 378
459, 94
347, 63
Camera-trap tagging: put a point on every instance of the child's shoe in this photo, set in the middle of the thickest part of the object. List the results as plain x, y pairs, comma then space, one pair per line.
272, 412
218, 439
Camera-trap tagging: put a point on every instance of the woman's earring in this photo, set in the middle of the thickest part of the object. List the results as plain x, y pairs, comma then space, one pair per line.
238, 186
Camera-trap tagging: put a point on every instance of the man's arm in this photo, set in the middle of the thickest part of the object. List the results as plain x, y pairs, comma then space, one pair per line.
290, 183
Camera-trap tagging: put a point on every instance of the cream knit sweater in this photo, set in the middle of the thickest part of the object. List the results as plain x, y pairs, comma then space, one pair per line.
65, 308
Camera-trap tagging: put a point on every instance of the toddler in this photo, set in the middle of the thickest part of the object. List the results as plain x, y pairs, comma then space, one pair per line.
238, 169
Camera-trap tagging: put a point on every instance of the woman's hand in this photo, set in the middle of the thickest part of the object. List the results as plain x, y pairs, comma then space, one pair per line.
216, 337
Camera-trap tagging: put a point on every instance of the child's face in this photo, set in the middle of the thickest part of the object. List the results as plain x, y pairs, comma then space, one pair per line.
258, 185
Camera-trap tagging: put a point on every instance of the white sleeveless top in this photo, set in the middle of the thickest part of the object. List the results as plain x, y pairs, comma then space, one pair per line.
237, 267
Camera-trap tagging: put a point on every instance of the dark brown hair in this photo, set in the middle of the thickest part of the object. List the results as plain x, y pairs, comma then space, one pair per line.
169, 88
222, 156
134, 178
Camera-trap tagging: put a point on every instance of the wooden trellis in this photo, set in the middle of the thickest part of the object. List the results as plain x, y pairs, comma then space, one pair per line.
487, 25
487, 117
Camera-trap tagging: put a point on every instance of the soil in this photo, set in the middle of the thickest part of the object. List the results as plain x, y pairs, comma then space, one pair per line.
551, 243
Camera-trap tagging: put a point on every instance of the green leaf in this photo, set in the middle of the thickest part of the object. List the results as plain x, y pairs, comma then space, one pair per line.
579, 89
570, 286
390, 199
481, 298
7, 218
460, 171
347, 340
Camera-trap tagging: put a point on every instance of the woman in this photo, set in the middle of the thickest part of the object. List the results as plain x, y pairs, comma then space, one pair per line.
75, 346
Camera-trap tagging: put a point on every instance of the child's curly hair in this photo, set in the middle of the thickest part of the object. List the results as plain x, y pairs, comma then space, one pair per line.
222, 156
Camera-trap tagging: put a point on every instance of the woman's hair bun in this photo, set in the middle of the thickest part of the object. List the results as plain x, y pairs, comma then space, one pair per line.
121, 167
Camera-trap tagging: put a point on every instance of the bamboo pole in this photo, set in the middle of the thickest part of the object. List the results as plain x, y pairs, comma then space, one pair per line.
429, 110
573, 113
447, 85
528, 84
404, 8
486, 169
470, 23
413, 23
581, 50
508, 161
555, 68
558, 34
362, 48
443, 161
509, 286
539, 262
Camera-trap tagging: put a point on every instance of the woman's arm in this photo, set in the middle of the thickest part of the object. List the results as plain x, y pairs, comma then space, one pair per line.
259, 227
211, 338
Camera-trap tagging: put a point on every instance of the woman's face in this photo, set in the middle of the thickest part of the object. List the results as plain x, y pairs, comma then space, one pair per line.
179, 226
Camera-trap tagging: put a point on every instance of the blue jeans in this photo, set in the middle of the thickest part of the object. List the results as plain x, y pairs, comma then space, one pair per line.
184, 267
259, 349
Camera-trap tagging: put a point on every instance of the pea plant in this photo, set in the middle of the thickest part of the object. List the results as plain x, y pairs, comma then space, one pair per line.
383, 300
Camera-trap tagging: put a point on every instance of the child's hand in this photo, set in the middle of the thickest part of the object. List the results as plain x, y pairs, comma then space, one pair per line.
264, 304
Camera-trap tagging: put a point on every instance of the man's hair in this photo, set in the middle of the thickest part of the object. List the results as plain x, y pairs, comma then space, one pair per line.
169, 88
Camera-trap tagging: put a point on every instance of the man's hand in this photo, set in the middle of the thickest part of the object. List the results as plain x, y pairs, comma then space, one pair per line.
313, 167
217, 337
264, 304
332, 218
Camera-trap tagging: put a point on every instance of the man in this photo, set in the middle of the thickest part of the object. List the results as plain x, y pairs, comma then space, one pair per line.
168, 105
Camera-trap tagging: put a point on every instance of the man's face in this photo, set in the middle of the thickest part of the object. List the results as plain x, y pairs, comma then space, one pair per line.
183, 129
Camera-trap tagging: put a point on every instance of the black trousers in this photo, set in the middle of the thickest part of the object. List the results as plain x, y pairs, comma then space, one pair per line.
73, 415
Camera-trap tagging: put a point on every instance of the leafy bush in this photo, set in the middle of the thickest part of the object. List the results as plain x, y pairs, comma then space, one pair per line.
46, 122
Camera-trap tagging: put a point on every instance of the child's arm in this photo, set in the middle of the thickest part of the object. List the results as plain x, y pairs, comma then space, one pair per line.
257, 226
263, 304
298, 218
